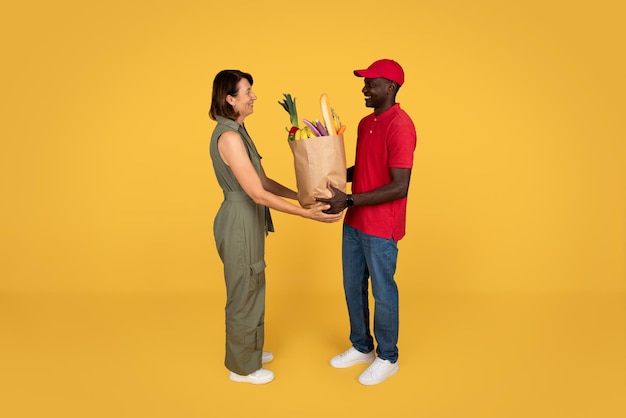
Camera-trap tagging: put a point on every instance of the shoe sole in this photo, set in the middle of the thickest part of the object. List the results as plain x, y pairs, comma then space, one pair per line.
244, 379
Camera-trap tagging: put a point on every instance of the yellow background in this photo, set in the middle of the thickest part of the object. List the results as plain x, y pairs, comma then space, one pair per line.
515, 252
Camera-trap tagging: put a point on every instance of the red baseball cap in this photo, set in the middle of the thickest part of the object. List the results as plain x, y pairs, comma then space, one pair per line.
384, 68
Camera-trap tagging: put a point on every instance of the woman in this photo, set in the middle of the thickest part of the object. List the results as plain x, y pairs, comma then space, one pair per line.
242, 223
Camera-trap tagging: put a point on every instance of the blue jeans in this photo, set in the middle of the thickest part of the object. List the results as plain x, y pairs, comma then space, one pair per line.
365, 256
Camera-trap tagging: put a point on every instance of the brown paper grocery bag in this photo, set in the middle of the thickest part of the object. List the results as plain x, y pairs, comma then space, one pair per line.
317, 161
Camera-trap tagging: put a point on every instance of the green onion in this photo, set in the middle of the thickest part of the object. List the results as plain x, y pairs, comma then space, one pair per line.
289, 105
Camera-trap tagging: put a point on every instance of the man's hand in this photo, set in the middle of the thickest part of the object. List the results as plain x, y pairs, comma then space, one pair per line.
337, 201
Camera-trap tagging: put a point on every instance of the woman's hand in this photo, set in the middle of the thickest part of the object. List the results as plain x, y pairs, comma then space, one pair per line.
316, 212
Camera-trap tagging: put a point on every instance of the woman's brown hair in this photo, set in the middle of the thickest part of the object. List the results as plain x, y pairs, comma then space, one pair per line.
224, 84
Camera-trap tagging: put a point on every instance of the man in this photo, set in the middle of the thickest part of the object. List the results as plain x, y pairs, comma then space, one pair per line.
375, 221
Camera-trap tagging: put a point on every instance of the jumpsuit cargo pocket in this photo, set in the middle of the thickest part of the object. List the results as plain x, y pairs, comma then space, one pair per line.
253, 340
252, 343
253, 337
258, 281
257, 278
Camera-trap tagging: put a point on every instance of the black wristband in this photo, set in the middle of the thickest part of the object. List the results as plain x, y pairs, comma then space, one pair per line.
349, 200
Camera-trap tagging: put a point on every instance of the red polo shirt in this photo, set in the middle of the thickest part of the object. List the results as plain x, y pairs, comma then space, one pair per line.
384, 141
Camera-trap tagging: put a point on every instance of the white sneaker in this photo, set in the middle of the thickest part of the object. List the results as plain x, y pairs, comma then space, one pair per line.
259, 377
267, 357
350, 357
379, 371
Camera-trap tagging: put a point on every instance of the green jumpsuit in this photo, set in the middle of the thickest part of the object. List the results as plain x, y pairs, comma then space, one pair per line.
240, 228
